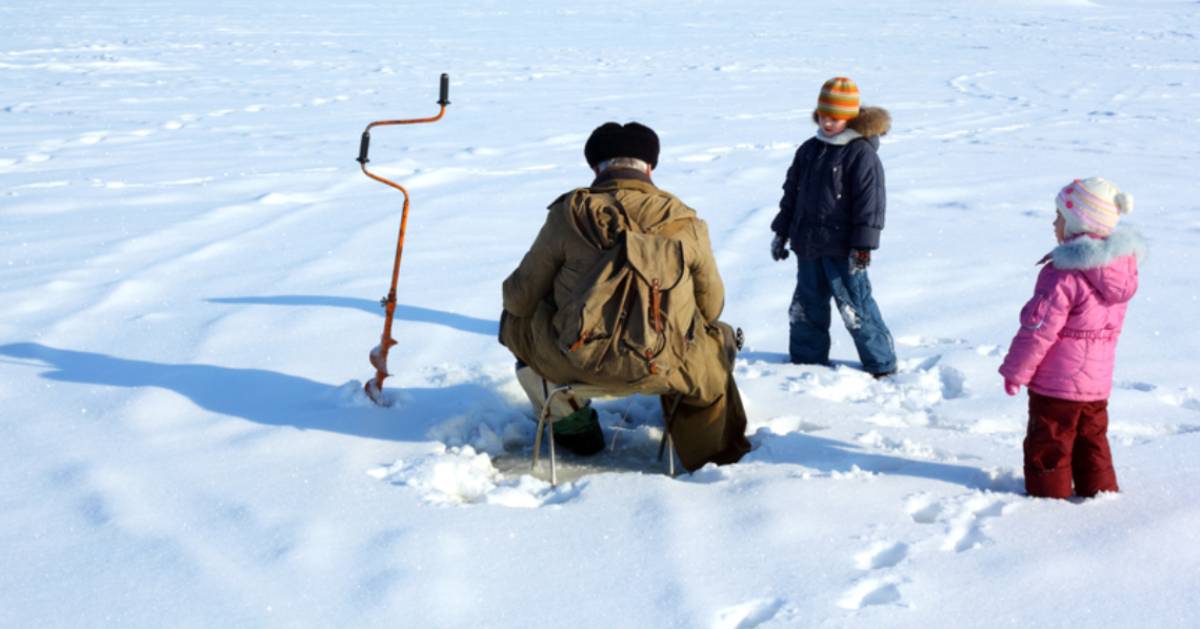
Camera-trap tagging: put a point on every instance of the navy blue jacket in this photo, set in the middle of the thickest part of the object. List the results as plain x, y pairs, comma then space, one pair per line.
834, 198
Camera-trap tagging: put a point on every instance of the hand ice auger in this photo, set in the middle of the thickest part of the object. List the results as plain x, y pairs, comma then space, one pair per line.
374, 386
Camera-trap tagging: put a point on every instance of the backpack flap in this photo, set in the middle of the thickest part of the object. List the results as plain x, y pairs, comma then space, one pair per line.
655, 257
631, 316
658, 325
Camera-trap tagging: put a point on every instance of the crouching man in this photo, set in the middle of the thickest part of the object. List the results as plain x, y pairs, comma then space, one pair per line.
620, 290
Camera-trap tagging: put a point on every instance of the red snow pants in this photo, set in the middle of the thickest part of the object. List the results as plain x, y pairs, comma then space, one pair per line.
1067, 440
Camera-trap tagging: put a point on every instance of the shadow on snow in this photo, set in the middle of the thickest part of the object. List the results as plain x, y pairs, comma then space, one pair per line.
268, 397
783, 359
277, 399
829, 456
403, 312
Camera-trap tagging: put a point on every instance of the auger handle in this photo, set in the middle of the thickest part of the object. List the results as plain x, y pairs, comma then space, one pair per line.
363, 147
444, 98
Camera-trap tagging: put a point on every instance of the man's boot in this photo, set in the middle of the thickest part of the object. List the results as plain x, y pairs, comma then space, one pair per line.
580, 432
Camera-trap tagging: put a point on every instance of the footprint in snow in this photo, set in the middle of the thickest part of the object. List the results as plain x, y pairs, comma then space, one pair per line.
786, 424
965, 521
988, 350
881, 554
747, 371
919, 386
93, 137
954, 383
749, 614
321, 102
922, 509
927, 341
871, 591
1184, 398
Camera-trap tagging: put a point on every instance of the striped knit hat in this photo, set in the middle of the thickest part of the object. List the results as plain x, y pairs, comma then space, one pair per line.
1092, 206
838, 99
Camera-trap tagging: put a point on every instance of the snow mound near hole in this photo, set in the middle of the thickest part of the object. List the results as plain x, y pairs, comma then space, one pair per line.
460, 475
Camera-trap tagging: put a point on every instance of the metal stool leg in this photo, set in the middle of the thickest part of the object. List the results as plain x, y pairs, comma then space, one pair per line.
670, 456
553, 461
667, 443
537, 439
544, 427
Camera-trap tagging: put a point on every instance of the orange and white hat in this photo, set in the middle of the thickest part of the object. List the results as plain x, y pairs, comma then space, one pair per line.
838, 99
1092, 206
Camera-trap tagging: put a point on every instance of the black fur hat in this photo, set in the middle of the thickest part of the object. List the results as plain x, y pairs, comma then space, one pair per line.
611, 140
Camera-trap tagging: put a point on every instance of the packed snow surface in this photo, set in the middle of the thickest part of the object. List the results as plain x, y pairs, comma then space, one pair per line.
190, 263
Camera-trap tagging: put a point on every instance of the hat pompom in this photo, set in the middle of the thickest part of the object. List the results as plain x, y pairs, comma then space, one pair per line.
1124, 202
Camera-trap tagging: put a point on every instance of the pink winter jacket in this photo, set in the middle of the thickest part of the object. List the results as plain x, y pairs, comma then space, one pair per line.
1068, 338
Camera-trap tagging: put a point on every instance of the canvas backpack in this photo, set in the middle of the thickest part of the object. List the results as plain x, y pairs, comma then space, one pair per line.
633, 315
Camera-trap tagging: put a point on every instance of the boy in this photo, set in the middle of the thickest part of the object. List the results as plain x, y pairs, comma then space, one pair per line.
832, 212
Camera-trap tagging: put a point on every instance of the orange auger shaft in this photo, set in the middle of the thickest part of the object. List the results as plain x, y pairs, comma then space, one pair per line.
374, 386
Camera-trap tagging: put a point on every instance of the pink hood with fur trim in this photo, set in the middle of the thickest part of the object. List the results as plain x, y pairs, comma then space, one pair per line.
1067, 343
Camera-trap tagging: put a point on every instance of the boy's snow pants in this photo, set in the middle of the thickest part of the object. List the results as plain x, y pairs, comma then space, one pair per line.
1067, 440
817, 281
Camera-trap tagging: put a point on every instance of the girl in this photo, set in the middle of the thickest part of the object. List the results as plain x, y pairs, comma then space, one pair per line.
1066, 346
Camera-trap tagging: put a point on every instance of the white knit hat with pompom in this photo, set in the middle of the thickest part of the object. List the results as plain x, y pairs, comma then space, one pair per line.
1092, 206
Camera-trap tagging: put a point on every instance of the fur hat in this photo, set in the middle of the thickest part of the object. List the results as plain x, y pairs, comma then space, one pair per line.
611, 140
838, 99
1092, 206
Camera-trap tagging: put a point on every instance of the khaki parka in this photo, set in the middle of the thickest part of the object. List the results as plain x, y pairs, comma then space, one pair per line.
710, 422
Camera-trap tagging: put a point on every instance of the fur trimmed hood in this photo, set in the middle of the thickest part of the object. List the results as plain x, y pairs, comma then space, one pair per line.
1108, 264
1085, 252
871, 122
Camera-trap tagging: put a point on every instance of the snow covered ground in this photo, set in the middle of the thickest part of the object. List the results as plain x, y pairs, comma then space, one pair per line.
191, 261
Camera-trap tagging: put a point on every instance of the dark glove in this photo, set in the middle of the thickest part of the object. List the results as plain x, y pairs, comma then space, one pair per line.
860, 259
779, 250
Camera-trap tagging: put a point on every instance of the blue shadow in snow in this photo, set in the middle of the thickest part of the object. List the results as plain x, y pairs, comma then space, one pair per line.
829, 456
766, 357
265, 397
784, 359
403, 312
